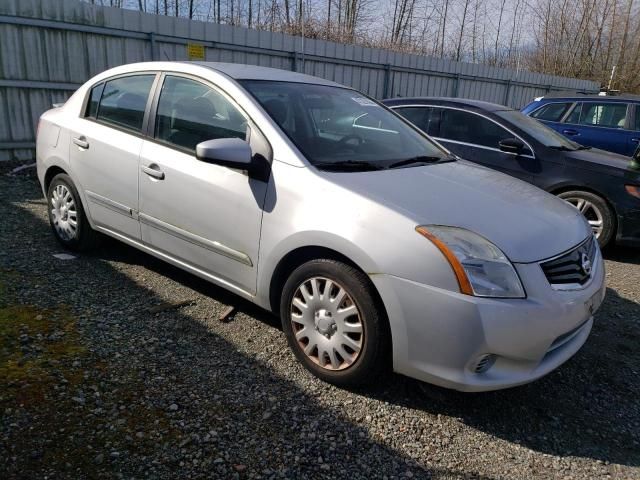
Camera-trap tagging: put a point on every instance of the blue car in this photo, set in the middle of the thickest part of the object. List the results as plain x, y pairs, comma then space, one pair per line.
607, 122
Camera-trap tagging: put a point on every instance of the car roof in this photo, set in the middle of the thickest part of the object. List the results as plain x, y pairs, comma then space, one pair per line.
447, 101
239, 71
625, 97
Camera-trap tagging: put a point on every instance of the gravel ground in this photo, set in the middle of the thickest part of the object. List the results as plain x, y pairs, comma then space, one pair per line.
95, 385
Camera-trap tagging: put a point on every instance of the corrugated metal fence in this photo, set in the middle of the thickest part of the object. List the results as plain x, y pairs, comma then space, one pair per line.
50, 47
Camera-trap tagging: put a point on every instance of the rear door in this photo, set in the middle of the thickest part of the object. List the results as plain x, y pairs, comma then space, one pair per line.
104, 153
476, 137
604, 125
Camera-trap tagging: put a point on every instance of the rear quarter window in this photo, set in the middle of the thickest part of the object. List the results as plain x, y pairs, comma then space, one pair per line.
124, 100
94, 100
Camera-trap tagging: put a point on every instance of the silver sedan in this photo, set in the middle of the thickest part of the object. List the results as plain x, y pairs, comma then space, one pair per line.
377, 247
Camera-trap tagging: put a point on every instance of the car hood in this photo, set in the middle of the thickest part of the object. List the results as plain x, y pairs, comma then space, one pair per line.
526, 223
603, 161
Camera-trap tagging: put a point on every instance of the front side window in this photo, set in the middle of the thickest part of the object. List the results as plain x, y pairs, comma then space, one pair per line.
471, 128
551, 112
538, 130
637, 127
190, 112
124, 100
334, 124
612, 115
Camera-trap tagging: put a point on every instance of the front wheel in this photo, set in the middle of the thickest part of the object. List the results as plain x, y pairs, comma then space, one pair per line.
334, 323
596, 211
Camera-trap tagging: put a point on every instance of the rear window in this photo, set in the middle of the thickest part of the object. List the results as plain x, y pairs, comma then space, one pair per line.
552, 112
124, 100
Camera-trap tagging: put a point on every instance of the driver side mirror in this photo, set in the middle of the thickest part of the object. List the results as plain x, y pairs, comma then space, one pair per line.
511, 145
235, 153
228, 152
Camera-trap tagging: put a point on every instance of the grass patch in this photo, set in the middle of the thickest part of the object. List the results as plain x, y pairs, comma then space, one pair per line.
35, 345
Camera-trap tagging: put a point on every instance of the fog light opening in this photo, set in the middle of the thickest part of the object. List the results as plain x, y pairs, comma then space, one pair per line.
484, 363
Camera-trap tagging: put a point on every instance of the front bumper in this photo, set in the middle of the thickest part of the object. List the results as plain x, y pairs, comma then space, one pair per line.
439, 336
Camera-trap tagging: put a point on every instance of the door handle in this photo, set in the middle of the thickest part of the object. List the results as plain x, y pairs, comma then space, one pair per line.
81, 142
570, 131
635, 140
153, 171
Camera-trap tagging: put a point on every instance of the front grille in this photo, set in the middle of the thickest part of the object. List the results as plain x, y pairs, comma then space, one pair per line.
574, 267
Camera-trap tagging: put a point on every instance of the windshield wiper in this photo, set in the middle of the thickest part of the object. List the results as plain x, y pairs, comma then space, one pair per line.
424, 160
563, 148
584, 147
348, 165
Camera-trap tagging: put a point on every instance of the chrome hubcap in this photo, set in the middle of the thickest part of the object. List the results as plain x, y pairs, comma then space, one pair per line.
64, 213
327, 323
590, 212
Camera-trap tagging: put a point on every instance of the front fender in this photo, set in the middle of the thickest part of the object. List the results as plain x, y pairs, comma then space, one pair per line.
270, 260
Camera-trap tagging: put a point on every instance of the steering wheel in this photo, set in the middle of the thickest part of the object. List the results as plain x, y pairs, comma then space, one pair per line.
347, 140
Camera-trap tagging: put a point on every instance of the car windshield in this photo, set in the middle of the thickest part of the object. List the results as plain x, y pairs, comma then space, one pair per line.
339, 126
543, 134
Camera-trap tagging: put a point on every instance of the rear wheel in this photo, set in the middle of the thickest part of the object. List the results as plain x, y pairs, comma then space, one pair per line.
595, 210
333, 322
66, 215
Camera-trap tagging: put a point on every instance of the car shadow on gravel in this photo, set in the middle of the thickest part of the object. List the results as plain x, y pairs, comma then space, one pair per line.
113, 250
160, 395
629, 255
587, 408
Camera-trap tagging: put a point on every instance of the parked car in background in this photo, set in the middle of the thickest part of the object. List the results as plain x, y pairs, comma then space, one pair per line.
602, 185
312, 200
610, 123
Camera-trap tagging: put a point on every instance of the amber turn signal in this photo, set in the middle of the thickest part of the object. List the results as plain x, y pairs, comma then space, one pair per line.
456, 266
633, 190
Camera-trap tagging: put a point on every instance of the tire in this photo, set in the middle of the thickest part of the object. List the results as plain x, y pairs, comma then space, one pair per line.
597, 212
329, 320
66, 215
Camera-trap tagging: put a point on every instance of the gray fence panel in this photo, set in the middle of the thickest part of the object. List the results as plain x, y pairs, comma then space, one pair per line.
50, 47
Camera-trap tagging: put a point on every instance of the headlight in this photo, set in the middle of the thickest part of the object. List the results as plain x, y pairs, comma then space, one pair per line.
479, 266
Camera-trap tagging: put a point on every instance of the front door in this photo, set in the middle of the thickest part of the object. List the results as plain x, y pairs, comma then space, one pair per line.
105, 149
200, 214
600, 125
475, 137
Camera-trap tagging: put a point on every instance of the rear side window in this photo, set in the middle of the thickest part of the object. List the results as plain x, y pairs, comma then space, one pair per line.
94, 99
190, 112
124, 100
425, 118
471, 128
611, 115
552, 112
416, 115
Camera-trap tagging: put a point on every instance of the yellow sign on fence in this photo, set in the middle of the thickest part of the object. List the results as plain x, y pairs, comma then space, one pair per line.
195, 51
